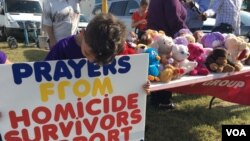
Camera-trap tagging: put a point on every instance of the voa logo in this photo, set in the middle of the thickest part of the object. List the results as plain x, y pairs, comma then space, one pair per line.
236, 132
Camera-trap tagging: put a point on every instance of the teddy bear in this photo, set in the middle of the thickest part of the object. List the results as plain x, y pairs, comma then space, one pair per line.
184, 32
165, 60
154, 63
162, 43
180, 54
237, 51
181, 40
212, 40
217, 61
146, 39
198, 35
170, 73
132, 37
150, 36
158, 40
167, 71
197, 52
190, 38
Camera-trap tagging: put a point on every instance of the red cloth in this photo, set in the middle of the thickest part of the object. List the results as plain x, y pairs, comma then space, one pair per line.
128, 49
233, 88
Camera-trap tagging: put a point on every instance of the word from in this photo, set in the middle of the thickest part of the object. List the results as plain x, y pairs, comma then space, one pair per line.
81, 88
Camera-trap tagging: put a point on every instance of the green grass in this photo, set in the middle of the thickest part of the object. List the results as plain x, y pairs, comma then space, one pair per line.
22, 53
192, 121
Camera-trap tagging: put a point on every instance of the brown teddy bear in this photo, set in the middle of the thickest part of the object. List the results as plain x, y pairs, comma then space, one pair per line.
150, 36
170, 73
217, 61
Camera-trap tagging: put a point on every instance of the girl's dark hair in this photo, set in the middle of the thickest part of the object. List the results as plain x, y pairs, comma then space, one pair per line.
106, 36
143, 2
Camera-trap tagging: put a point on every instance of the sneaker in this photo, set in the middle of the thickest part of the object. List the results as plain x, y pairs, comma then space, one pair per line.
170, 106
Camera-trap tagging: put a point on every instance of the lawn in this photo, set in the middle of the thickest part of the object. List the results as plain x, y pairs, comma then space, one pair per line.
22, 53
191, 121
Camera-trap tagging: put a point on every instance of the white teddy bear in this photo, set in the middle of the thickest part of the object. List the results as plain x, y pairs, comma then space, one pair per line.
180, 54
163, 44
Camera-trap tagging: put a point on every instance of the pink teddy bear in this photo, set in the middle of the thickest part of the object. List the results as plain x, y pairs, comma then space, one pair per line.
198, 54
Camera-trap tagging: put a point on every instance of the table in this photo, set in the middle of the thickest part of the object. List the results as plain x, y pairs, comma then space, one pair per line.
232, 87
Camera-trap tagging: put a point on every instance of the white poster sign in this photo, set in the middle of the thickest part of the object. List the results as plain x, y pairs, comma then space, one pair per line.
74, 100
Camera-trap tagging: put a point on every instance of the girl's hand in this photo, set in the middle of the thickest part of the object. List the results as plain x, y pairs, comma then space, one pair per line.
146, 87
143, 21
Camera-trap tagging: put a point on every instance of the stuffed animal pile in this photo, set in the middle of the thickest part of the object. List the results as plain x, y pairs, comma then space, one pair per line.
192, 54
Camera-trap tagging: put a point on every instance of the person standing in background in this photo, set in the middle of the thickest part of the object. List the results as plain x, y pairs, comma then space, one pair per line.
169, 16
60, 19
166, 15
227, 15
139, 18
194, 20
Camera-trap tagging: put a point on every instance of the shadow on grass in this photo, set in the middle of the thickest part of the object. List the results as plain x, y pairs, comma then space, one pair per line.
35, 54
180, 97
191, 124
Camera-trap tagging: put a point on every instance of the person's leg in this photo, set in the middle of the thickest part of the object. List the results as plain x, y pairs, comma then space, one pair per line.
162, 99
166, 100
165, 97
154, 98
